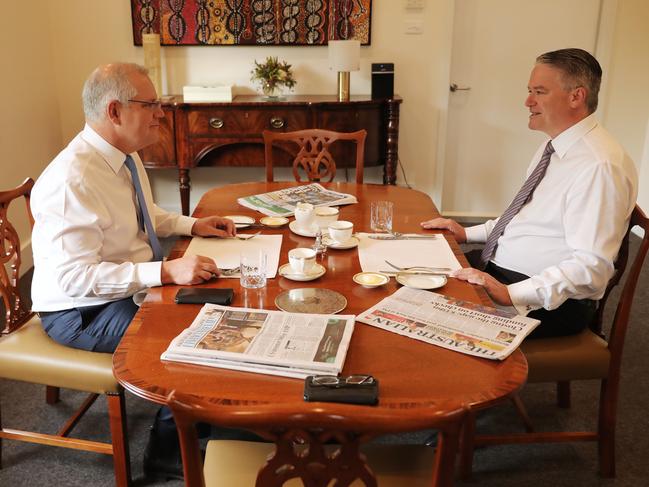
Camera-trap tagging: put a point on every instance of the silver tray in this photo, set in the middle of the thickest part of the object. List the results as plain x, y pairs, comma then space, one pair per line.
311, 300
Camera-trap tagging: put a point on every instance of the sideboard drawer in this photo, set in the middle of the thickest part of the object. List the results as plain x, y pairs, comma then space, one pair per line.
246, 122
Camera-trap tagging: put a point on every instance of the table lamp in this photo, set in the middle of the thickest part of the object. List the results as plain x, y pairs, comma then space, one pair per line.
344, 56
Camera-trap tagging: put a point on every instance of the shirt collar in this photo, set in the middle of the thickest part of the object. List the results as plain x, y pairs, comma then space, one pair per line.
113, 156
566, 139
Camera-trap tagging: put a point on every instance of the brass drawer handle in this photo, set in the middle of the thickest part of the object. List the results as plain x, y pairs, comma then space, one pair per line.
276, 122
216, 123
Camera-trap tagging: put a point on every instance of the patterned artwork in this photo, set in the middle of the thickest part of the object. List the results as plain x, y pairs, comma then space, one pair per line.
251, 22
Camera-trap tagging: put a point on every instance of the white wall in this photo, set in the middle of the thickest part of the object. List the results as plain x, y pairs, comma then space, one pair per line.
627, 100
421, 66
30, 132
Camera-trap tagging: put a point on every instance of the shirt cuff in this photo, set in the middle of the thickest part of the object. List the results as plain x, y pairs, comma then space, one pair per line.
476, 234
184, 225
524, 297
150, 273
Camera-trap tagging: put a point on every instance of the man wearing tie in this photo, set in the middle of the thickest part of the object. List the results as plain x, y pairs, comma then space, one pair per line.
95, 242
95, 237
551, 253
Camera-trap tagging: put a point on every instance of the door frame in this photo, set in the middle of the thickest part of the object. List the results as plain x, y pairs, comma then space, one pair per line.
603, 52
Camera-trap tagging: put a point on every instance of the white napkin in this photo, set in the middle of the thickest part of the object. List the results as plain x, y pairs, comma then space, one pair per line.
372, 253
226, 252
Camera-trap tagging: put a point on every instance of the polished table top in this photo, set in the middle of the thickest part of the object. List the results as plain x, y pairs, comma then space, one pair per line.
416, 379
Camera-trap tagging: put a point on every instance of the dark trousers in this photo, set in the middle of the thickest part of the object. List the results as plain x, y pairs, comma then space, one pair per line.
95, 328
573, 316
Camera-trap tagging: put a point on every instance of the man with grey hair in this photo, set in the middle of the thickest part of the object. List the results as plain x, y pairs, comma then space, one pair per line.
551, 253
96, 227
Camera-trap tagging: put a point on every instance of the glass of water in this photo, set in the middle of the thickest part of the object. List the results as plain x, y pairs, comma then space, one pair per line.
381, 216
253, 268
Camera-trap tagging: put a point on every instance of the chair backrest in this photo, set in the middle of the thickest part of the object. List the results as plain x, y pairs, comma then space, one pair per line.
313, 158
621, 319
16, 313
188, 410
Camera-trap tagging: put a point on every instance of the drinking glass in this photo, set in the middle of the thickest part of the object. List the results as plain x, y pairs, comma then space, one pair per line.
381, 216
253, 268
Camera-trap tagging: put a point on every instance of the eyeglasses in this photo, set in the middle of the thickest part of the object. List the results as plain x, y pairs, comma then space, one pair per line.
336, 381
153, 105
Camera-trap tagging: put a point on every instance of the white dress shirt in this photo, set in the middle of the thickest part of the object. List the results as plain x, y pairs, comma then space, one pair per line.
88, 247
567, 237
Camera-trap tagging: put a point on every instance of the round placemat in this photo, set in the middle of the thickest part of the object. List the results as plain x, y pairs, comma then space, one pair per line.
311, 300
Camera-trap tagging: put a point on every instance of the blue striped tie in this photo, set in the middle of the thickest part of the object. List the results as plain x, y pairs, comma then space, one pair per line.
521, 198
143, 213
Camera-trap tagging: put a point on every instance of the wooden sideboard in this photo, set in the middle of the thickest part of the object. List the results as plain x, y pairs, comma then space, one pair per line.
229, 134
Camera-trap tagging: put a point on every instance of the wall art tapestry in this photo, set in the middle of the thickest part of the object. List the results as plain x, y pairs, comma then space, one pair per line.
251, 22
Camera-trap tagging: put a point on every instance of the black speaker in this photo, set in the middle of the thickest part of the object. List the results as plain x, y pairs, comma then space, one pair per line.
382, 80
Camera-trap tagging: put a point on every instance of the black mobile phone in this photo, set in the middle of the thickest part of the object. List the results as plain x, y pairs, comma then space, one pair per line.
200, 295
330, 388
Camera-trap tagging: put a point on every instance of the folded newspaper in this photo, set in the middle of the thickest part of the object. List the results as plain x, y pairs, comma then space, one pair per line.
284, 201
450, 323
266, 342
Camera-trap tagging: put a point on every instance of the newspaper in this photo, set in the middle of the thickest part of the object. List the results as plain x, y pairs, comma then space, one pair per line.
450, 323
267, 342
284, 201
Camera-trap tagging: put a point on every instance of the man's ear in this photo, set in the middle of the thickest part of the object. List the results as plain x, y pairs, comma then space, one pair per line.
578, 97
114, 111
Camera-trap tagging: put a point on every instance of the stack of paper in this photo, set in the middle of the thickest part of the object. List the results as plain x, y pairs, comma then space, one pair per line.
216, 93
266, 342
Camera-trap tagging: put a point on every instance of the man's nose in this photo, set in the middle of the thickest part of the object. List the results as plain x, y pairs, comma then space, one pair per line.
529, 101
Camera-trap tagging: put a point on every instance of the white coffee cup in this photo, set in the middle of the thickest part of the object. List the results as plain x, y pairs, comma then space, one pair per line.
325, 215
301, 260
304, 215
341, 231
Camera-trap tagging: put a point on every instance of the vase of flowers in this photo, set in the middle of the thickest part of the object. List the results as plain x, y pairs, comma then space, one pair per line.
273, 75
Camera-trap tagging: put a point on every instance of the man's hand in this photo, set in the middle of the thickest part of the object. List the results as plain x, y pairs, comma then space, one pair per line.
447, 224
214, 226
496, 289
192, 269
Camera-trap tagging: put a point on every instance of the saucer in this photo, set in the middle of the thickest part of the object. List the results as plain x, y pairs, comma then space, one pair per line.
241, 221
314, 273
274, 221
420, 281
370, 279
304, 232
349, 244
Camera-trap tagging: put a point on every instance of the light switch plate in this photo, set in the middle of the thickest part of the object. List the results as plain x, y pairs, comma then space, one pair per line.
413, 27
415, 4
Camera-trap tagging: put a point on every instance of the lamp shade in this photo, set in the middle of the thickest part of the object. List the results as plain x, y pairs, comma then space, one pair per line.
345, 55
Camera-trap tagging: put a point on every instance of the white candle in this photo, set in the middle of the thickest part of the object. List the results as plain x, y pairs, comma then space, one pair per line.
151, 45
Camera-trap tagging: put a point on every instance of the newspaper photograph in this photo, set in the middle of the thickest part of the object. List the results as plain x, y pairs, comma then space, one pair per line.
450, 323
284, 201
269, 342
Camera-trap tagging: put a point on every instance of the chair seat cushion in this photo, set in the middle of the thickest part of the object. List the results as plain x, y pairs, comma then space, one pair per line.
29, 355
231, 462
576, 357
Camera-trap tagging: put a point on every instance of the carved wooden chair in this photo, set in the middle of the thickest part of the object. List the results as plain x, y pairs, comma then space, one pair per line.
28, 354
299, 462
585, 356
314, 159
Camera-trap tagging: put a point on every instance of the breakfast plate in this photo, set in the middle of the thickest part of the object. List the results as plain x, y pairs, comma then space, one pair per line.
303, 232
241, 221
349, 244
421, 281
313, 273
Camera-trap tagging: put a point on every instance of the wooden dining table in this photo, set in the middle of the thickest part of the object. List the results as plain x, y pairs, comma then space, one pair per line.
417, 380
